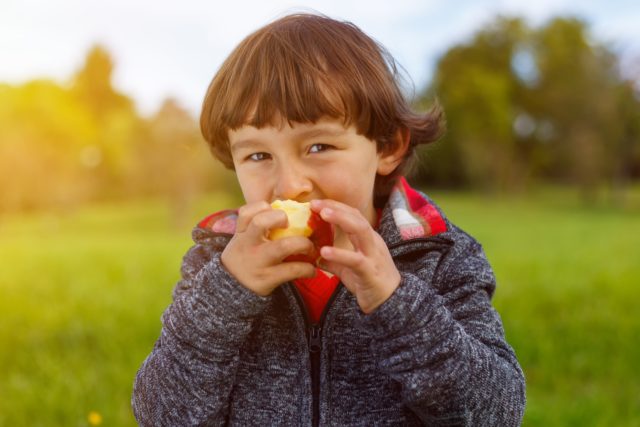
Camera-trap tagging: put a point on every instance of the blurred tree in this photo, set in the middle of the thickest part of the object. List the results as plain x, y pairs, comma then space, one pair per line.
65, 145
109, 153
479, 91
576, 95
43, 130
547, 103
626, 165
172, 160
92, 84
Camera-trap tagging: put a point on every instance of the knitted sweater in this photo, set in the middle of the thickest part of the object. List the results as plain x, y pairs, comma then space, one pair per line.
433, 354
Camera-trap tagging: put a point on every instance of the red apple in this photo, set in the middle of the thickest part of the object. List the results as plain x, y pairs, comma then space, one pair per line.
302, 221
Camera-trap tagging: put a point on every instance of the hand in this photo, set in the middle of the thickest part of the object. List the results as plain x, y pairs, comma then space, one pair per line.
367, 270
257, 262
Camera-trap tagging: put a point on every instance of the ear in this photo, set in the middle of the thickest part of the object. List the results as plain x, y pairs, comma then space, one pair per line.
389, 159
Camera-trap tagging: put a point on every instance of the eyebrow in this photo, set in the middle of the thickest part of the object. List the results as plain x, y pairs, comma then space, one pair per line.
245, 143
315, 132
321, 131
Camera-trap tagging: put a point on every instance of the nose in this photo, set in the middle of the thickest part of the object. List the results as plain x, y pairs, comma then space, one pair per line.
292, 183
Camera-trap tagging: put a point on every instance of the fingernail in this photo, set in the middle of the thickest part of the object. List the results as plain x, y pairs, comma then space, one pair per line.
326, 212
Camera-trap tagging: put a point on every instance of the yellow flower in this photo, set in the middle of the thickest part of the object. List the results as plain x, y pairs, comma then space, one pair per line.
94, 418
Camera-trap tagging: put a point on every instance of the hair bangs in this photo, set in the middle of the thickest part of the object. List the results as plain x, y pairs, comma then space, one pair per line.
301, 86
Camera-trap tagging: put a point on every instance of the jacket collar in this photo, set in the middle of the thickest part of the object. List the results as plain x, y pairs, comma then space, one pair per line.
408, 215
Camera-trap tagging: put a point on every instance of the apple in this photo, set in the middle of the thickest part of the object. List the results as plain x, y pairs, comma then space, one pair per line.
302, 221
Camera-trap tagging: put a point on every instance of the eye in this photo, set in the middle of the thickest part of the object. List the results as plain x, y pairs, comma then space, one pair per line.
257, 157
317, 148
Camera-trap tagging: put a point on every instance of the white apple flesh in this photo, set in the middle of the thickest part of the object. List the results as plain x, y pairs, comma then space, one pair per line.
302, 221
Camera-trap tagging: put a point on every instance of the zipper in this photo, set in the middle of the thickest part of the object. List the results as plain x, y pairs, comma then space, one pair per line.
314, 338
315, 347
314, 332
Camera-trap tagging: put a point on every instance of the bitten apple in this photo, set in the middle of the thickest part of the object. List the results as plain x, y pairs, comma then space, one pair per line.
302, 221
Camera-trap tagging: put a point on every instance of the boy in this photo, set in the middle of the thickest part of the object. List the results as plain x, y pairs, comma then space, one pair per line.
396, 328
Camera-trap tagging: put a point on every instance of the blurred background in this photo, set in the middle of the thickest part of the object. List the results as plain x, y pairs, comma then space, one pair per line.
103, 172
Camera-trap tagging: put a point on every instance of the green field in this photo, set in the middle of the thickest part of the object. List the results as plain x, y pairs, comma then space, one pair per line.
81, 296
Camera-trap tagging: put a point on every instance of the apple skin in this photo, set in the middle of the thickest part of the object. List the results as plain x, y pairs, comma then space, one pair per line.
303, 222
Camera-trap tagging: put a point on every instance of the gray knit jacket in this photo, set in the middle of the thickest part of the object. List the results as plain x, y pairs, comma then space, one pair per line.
433, 354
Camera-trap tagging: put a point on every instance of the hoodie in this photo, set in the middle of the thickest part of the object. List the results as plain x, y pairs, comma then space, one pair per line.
433, 354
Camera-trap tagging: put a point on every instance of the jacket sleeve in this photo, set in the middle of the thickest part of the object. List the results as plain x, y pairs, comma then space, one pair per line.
189, 375
440, 338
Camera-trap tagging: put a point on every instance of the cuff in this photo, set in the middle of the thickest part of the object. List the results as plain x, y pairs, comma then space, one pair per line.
411, 306
213, 308
226, 294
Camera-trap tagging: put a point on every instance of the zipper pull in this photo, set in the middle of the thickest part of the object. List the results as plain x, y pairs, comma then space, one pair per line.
315, 338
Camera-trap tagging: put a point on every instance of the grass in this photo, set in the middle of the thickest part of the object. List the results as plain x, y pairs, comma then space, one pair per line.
81, 296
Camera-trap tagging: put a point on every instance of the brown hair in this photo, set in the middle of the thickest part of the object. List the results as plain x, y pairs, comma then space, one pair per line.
304, 67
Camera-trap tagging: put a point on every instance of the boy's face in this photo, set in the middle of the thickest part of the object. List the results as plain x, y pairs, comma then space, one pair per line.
308, 161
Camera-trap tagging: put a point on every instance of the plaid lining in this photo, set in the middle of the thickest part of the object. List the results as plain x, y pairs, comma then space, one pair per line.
413, 214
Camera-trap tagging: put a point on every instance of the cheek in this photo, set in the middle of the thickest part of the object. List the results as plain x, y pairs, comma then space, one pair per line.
253, 189
351, 186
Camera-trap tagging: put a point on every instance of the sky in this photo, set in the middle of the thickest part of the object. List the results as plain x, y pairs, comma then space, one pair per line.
172, 49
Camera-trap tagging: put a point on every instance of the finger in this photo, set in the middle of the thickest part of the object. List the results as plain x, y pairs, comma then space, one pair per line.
288, 271
318, 204
264, 221
247, 212
338, 259
353, 224
331, 267
327, 207
347, 277
282, 248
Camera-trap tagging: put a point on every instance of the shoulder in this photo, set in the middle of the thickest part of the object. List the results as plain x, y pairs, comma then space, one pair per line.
436, 222
216, 228
210, 235
463, 256
465, 265
222, 222
409, 215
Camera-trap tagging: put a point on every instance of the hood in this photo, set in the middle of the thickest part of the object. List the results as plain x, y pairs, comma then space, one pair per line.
408, 215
